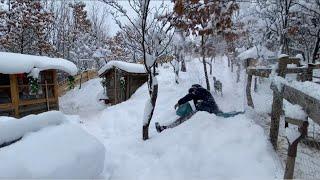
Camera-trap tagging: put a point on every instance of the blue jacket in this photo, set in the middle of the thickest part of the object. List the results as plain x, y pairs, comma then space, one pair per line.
202, 99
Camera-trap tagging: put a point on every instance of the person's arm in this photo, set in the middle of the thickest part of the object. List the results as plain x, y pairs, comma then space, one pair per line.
186, 98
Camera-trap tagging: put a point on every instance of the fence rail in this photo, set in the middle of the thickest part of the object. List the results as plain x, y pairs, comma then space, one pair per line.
63, 86
307, 154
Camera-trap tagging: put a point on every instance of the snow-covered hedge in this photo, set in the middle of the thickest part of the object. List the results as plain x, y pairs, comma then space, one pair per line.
51, 147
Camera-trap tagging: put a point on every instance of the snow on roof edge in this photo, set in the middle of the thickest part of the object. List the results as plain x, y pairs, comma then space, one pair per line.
125, 66
15, 63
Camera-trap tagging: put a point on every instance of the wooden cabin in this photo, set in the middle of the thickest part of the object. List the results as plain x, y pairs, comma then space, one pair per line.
16, 97
122, 80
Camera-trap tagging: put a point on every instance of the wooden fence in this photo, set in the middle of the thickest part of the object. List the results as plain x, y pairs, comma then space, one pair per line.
79, 79
305, 73
309, 104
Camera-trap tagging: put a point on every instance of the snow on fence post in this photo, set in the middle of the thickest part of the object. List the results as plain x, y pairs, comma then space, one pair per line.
276, 112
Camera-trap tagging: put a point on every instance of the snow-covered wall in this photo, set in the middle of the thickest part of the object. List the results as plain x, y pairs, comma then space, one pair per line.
14, 63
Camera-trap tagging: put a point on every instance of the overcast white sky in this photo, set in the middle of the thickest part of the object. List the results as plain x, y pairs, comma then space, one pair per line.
112, 28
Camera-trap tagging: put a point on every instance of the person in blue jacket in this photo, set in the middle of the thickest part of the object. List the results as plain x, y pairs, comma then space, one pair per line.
203, 101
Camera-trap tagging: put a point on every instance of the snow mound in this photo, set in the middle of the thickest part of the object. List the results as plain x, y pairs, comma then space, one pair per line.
283, 56
294, 111
55, 152
128, 67
14, 63
85, 99
12, 129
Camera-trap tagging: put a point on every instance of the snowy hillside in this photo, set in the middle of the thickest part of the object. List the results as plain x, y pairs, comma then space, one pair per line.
205, 147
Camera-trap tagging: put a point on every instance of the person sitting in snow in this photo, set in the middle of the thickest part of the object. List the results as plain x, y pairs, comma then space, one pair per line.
203, 101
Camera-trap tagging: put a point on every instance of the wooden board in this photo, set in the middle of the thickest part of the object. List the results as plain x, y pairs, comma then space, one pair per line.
309, 104
14, 94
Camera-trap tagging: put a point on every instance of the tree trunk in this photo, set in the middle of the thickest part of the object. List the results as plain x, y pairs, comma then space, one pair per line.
183, 64
175, 70
248, 91
238, 72
153, 91
316, 48
210, 65
177, 77
204, 63
233, 59
152, 81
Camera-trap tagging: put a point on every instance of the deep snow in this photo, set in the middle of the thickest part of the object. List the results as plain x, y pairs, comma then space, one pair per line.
53, 146
205, 147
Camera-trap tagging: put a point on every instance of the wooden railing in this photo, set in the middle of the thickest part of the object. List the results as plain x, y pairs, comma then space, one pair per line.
79, 79
304, 73
310, 106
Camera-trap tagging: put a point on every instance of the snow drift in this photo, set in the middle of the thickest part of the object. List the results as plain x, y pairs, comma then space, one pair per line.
51, 147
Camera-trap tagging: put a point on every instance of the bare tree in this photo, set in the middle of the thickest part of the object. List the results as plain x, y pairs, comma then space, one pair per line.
149, 38
203, 18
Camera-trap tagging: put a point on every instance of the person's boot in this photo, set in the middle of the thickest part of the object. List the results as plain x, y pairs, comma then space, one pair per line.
158, 127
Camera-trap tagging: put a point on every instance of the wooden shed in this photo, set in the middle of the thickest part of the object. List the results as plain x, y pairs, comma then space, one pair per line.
122, 79
17, 96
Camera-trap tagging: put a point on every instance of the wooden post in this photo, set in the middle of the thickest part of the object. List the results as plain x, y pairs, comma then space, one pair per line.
56, 88
282, 66
275, 115
115, 87
88, 77
47, 95
309, 74
14, 94
292, 151
248, 91
255, 84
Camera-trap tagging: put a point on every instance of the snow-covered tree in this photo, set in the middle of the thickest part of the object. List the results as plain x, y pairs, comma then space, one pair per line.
305, 31
25, 27
149, 38
203, 18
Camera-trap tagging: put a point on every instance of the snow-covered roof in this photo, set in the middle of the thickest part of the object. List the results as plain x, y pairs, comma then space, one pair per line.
255, 52
14, 63
125, 66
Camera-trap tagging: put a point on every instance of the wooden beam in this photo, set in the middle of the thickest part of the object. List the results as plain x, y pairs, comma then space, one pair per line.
14, 94
35, 101
276, 112
7, 106
265, 72
309, 104
297, 122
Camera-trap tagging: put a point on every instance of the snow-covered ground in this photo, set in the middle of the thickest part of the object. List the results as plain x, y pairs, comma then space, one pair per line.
84, 100
204, 147
52, 146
